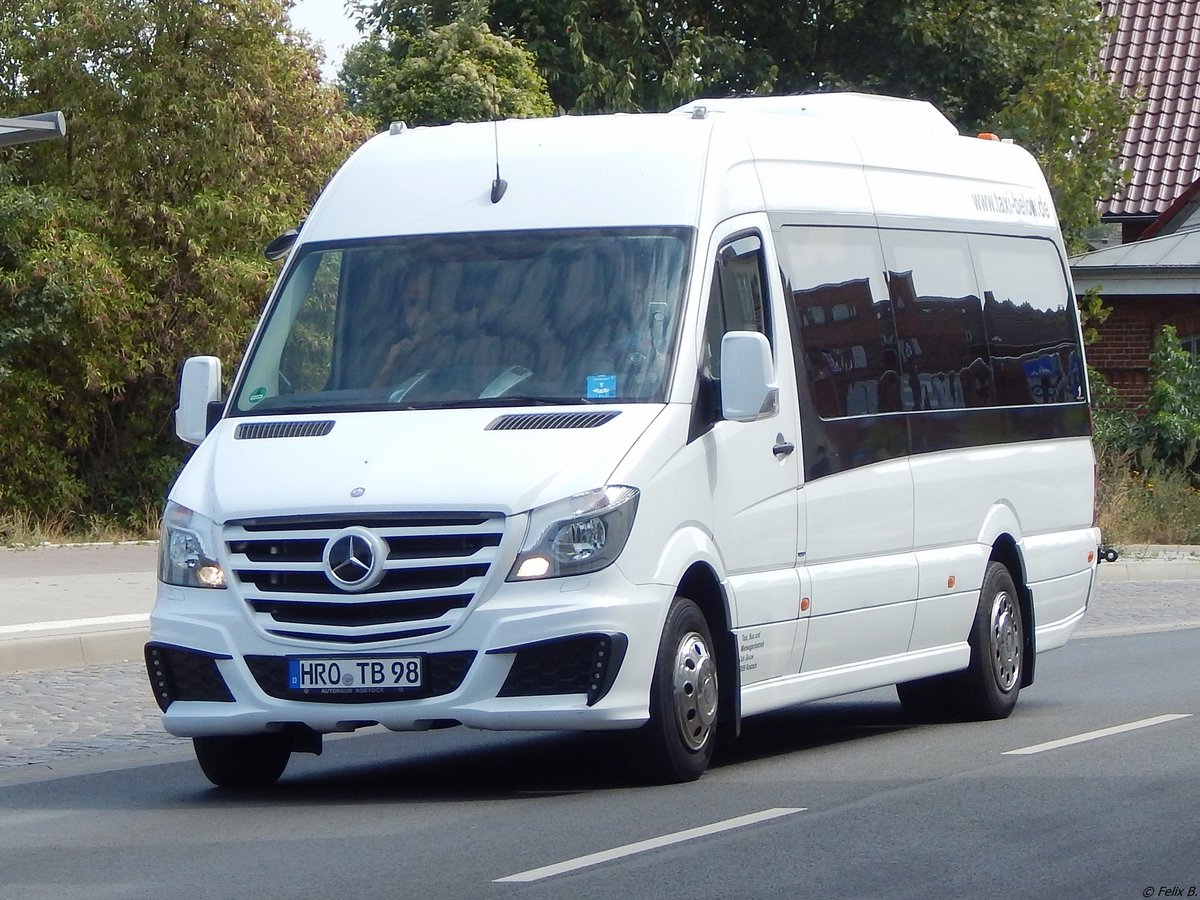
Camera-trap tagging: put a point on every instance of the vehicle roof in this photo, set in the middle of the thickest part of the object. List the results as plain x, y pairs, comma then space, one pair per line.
845, 154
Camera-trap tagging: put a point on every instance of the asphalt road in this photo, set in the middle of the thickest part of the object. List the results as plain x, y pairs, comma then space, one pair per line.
834, 799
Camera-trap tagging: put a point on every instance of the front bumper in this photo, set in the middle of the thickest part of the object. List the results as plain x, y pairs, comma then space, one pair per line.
566, 654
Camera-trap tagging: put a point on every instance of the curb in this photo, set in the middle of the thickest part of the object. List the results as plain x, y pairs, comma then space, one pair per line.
1150, 570
83, 648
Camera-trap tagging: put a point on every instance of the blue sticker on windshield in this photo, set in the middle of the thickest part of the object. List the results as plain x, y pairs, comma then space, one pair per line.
601, 387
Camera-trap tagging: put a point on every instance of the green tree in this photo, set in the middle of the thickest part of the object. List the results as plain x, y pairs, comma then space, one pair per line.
426, 74
1069, 113
197, 129
625, 55
611, 56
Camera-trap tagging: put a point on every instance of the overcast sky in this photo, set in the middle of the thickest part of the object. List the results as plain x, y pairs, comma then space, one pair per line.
330, 26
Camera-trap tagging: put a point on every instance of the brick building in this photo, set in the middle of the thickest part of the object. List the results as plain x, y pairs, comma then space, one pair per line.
1152, 278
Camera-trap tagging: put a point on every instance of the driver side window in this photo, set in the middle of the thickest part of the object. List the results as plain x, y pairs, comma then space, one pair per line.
736, 298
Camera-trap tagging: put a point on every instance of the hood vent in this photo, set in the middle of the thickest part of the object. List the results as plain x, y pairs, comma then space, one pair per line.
264, 430
538, 421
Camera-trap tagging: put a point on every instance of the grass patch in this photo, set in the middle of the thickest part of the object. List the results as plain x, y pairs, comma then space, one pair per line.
18, 529
1145, 501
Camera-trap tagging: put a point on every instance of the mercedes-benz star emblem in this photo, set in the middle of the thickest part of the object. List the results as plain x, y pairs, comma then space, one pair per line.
354, 559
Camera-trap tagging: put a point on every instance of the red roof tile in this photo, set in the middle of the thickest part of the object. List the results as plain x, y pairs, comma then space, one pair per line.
1156, 49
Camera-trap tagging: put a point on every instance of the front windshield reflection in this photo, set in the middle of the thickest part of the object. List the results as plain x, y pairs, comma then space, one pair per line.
527, 318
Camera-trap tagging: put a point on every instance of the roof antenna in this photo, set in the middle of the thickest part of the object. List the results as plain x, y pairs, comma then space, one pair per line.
499, 186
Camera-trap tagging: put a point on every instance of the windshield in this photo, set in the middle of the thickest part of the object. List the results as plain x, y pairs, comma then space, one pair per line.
489, 319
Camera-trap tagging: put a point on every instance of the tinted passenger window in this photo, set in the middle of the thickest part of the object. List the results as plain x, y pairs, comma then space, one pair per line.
846, 338
1029, 320
939, 321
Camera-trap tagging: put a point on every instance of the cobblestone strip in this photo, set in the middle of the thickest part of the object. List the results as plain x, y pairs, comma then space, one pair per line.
52, 716
1138, 607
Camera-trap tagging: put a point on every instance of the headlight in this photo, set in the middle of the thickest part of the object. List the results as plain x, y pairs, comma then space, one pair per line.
184, 555
581, 534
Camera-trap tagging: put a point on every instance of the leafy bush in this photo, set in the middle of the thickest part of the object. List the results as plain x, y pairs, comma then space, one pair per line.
1115, 428
1149, 486
196, 132
1172, 423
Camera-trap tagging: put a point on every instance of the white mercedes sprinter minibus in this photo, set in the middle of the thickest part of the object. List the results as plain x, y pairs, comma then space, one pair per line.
641, 422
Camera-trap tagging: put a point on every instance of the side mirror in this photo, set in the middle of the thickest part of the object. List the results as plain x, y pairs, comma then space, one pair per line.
748, 388
199, 386
279, 247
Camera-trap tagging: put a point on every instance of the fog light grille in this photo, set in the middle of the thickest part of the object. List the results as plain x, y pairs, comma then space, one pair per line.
180, 674
584, 664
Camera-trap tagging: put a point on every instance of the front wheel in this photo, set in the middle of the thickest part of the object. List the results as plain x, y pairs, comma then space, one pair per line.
243, 760
676, 745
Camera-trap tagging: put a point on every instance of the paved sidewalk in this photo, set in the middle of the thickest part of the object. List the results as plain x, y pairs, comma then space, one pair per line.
75, 605
81, 605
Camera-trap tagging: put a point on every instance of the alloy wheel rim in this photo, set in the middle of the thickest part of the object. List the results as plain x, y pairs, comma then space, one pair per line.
694, 691
1006, 642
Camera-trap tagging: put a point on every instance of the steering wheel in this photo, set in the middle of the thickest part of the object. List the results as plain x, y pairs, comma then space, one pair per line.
505, 381
501, 384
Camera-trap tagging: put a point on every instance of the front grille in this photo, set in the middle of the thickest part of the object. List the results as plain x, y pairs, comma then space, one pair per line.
435, 567
387, 612
180, 674
271, 580
444, 672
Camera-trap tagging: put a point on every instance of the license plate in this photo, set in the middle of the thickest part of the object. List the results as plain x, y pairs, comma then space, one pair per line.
354, 673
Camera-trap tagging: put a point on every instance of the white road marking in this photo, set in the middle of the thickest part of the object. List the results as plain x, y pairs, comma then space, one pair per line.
133, 618
1095, 735
593, 859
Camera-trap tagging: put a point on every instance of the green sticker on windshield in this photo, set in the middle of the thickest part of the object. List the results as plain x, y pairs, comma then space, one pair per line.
258, 394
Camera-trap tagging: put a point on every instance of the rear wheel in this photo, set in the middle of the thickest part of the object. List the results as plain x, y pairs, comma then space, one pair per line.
989, 686
676, 745
243, 760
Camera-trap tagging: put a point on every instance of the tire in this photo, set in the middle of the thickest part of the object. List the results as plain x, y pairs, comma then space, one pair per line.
243, 761
989, 686
676, 745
